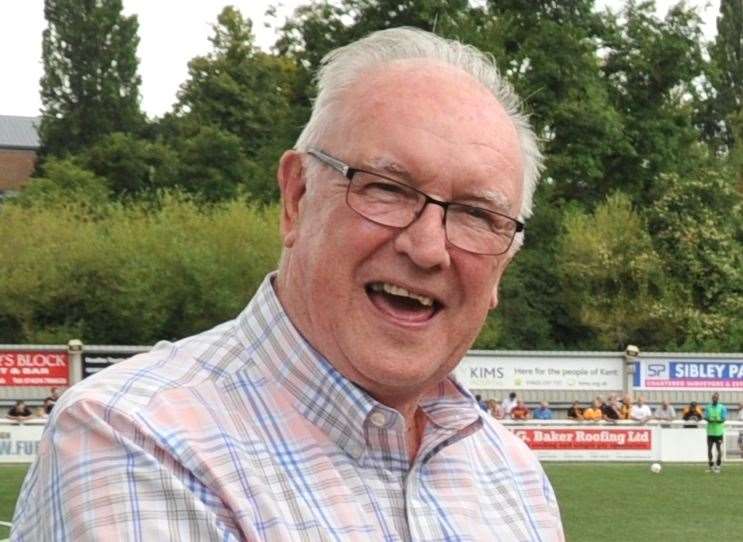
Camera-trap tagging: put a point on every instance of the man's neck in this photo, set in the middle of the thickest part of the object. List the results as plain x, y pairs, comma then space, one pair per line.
415, 421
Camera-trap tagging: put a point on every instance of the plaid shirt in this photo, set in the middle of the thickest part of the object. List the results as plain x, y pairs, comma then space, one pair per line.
244, 432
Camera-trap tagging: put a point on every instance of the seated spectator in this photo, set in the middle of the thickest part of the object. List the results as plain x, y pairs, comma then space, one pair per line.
665, 412
575, 412
593, 413
51, 400
520, 411
48, 406
640, 412
508, 403
610, 409
692, 413
495, 409
625, 407
482, 404
543, 412
20, 412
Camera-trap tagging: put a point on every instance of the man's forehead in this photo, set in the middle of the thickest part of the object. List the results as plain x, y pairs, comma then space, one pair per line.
419, 120
422, 77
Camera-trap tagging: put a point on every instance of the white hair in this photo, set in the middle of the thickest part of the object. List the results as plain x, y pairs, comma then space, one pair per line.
343, 66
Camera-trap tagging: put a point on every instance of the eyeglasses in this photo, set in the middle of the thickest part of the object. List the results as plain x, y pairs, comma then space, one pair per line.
391, 203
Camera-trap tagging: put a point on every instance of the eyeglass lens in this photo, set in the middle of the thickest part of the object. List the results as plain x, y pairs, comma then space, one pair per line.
394, 204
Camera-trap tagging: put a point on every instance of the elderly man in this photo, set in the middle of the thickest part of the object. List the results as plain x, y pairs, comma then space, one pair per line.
640, 411
325, 411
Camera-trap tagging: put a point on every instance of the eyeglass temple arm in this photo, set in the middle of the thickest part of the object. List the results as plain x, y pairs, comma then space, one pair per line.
332, 162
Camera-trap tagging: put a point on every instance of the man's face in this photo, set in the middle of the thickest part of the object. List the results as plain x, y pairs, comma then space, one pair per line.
346, 282
715, 398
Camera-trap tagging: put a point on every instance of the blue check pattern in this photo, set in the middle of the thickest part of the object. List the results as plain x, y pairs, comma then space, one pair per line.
245, 432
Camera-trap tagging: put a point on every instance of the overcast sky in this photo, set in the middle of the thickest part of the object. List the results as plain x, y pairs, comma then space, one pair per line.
171, 33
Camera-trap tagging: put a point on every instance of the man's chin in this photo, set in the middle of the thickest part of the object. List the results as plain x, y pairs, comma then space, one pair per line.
386, 383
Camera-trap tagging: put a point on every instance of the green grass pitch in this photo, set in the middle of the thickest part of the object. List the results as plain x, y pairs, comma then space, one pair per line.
625, 501
601, 501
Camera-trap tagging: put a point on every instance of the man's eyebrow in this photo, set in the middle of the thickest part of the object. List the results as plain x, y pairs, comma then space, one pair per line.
391, 167
487, 199
490, 199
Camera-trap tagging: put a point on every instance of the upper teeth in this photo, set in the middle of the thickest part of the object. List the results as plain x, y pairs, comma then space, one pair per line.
402, 292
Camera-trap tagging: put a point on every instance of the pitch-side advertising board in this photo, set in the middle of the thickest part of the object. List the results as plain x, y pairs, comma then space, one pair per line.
705, 374
19, 443
28, 368
492, 372
590, 443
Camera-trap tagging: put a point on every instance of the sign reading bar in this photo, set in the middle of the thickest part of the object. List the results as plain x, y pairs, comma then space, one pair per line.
689, 374
491, 372
33, 368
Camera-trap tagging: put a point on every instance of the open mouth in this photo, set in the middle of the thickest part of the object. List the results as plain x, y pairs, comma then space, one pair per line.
401, 303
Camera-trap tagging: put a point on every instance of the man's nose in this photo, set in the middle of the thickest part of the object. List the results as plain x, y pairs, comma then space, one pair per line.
424, 241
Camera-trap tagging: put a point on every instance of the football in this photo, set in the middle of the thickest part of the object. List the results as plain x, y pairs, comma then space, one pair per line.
655, 468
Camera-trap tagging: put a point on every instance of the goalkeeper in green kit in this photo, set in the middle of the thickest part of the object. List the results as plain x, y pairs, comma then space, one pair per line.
715, 414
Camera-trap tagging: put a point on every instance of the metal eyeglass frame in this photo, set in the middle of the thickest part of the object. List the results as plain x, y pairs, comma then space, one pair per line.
348, 172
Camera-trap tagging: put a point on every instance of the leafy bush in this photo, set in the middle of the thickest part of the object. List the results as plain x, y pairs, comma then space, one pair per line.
134, 274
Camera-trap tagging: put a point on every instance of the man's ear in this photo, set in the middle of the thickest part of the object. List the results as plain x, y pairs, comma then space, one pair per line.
494, 296
502, 269
290, 176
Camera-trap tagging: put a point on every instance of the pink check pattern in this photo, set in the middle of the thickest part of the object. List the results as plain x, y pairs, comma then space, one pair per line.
244, 432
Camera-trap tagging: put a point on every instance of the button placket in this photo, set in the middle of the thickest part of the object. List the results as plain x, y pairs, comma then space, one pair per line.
378, 419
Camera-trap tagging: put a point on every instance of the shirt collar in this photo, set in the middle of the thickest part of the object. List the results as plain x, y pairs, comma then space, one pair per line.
322, 394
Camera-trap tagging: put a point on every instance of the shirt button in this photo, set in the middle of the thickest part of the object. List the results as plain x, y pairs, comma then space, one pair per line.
378, 419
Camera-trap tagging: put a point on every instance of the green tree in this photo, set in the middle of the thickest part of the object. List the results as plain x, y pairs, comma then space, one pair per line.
90, 85
726, 74
610, 273
548, 50
697, 229
239, 90
532, 313
132, 166
651, 66
213, 166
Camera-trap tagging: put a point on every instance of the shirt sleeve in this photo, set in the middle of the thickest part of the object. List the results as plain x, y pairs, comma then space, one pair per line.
99, 476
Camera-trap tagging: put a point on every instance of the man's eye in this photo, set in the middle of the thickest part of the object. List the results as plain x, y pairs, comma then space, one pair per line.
382, 190
481, 219
477, 217
385, 187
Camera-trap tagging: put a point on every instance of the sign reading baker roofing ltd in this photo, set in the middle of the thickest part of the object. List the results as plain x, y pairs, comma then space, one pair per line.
33, 368
688, 373
589, 443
